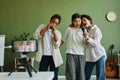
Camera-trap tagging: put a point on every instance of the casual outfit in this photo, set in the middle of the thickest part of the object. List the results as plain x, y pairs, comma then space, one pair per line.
95, 54
74, 54
48, 51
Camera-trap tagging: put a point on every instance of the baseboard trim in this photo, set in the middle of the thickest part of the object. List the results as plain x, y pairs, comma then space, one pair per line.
93, 77
61, 76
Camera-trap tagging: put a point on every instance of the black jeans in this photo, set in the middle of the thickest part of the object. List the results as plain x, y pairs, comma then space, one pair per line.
48, 63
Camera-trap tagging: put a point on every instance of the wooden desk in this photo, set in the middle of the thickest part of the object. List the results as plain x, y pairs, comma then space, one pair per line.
25, 76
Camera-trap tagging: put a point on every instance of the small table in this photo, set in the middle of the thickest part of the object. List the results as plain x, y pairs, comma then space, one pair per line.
118, 58
118, 62
25, 76
119, 70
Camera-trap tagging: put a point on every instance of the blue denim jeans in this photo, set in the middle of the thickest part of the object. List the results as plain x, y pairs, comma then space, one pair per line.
100, 69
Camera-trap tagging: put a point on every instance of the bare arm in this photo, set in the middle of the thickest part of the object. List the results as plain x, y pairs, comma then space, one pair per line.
54, 33
62, 42
44, 30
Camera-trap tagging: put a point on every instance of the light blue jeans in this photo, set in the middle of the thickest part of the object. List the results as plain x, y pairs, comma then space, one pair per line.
100, 69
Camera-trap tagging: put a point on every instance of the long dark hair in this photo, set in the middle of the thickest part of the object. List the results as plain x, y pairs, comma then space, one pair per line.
74, 16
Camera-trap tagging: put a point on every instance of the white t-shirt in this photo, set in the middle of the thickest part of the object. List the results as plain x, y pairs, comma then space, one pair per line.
47, 42
76, 35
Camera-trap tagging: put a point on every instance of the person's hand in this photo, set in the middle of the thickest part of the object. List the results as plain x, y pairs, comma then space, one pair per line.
86, 35
53, 30
48, 27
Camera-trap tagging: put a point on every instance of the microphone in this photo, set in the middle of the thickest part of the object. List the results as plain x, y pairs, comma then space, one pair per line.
84, 30
85, 34
51, 27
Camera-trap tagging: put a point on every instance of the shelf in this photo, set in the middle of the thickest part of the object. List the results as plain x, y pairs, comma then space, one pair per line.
19, 62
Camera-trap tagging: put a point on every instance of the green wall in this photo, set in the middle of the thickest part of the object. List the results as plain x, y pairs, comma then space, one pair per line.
18, 16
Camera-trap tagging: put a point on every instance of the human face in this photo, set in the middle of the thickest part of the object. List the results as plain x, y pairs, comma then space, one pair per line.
77, 22
86, 23
54, 22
